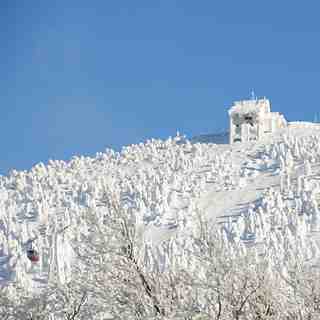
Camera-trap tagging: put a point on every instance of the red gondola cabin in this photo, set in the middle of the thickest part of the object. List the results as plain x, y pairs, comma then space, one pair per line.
33, 255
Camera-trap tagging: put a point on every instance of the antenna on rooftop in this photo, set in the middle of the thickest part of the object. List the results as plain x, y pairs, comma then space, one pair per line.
253, 96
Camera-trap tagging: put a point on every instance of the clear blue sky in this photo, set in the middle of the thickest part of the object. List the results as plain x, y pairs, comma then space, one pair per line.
79, 76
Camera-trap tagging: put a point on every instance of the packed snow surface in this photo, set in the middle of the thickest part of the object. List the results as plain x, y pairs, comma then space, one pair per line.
263, 193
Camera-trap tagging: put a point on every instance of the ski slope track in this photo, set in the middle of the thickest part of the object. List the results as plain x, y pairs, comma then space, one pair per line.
250, 189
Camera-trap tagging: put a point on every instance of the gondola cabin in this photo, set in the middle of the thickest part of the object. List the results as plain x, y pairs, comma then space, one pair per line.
33, 255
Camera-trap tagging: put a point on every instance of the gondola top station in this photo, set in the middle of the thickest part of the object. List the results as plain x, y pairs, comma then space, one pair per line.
252, 120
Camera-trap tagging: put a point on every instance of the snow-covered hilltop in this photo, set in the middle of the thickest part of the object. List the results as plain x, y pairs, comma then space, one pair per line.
263, 195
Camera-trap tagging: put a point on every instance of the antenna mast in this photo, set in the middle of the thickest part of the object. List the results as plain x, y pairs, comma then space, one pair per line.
253, 96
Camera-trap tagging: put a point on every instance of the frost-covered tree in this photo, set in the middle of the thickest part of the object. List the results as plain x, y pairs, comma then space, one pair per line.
111, 267
58, 302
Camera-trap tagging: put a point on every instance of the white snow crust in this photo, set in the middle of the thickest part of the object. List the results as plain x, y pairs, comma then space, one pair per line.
263, 193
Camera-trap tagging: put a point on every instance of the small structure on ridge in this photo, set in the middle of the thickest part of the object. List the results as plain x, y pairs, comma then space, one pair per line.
251, 120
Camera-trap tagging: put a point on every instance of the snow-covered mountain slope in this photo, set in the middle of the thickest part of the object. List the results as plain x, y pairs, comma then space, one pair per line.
264, 193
